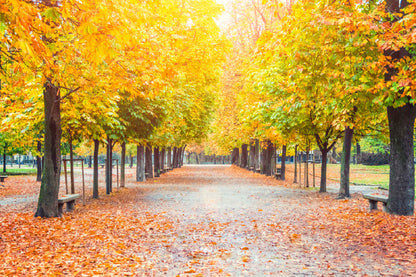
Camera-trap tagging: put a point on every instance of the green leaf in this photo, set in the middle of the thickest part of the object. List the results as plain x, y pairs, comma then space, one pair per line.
52, 14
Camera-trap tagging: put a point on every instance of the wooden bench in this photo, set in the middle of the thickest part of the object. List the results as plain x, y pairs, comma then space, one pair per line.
2, 178
278, 173
373, 199
69, 200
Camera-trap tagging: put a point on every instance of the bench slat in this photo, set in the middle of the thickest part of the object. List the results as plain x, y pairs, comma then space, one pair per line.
379, 198
67, 198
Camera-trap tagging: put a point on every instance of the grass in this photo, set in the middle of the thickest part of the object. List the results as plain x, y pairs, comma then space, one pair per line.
18, 171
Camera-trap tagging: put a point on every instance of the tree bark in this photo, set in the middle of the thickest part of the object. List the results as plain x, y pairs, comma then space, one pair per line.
169, 157
175, 152
323, 170
157, 161
307, 167
109, 166
149, 165
71, 163
344, 188
283, 163
401, 127
402, 178
252, 162
244, 156
123, 166
235, 156
162, 159
89, 161
296, 163
140, 169
4, 159
95, 170
49, 190
263, 158
38, 162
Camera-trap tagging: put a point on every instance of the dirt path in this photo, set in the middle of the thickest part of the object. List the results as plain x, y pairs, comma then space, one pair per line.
206, 221
241, 223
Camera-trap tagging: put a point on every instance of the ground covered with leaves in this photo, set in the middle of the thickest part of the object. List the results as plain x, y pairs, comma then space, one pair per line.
203, 221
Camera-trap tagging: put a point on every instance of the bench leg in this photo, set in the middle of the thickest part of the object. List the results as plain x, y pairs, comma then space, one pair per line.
70, 206
373, 204
384, 207
60, 208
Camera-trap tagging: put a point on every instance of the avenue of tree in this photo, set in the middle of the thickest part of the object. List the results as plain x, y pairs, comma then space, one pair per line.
159, 75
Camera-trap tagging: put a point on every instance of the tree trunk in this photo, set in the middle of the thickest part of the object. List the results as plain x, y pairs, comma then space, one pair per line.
263, 158
235, 156
283, 164
89, 161
252, 162
307, 167
109, 166
71, 163
131, 160
244, 156
402, 169
175, 152
296, 163
162, 159
401, 127
38, 162
49, 190
323, 170
157, 161
123, 166
268, 160
4, 160
95, 170
344, 188
148, 161
140, 168
169, 159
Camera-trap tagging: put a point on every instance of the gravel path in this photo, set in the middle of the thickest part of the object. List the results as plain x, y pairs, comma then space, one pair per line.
230, 221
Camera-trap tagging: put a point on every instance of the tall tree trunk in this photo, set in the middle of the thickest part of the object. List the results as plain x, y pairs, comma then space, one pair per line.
174, 162
244, 156
123, 166
49, 189
283, 163
263, 158
149, 165
39, 162
344, 188
273, 157
401, 127
358, 155
109, 166
71, 163
307, 166
4, 159
252, 154
268, 158
162, 159
323, 170
256, 154
140, 168
157, 161
95, 170
235, 156
169, 157
296, 165
402, 169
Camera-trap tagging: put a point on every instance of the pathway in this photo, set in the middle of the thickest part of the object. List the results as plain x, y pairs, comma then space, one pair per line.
230, 221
